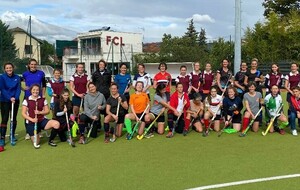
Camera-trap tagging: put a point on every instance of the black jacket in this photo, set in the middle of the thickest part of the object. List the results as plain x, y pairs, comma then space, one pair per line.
102, 82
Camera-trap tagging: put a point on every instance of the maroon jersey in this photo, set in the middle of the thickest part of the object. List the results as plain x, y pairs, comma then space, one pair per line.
80, 82
185, 80
31, 104
57, 87
293, 79
206, 80
195, 79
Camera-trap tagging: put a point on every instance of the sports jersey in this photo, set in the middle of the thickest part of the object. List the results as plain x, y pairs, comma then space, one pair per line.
139, 102
293, 78
164, 78
206, 80
214, 104
185, 80
273, 103
225, 76
145, 78
273, 79
31, 104
80, 82
123, 81
36, 77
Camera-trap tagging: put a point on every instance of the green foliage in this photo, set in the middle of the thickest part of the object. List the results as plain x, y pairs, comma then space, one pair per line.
46, 50
276, 39
220, 50
7, 47
280, 7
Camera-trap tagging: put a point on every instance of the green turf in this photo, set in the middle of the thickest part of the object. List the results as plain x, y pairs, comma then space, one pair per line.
156, 163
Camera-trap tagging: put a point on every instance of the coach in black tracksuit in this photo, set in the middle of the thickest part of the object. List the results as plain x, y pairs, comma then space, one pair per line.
102, 79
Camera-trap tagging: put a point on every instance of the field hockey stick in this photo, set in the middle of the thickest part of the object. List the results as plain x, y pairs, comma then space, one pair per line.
177, 120
243, 133
191, 124
12, 142
35, 128
129, 137
272, 121
69, 131
140, 137
206, 132
89, 133
127, 86
81, 106
113, 139
225, 126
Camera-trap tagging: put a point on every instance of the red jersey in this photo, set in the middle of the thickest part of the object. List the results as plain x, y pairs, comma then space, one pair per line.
164, 78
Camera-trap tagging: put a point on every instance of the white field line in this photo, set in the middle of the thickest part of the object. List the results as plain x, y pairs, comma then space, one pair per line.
245, 182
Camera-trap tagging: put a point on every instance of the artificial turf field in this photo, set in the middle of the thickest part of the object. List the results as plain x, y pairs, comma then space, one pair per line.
156, 163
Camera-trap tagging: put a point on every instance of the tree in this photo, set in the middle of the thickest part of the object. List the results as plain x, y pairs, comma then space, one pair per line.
220, 50
202, 38
47, 50
280, 7
191, 34
7, 46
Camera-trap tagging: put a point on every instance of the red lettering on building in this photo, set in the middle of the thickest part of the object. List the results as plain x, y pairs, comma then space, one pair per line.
116, 40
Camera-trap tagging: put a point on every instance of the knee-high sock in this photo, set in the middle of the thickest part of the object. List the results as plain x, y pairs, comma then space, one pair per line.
206, 123
283, 124
53, 134
245, 123
128, 125
187, 123
3, 131
106, 127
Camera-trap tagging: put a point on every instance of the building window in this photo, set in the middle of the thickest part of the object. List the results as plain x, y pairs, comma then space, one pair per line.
28, 49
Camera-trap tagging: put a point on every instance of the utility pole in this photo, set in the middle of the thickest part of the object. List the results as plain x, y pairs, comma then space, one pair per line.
237, 41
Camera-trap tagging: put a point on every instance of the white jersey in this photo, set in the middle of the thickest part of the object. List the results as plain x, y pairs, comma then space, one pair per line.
214, 105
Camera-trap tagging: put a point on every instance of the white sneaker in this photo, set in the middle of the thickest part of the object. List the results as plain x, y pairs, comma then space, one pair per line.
294, 132
27, 137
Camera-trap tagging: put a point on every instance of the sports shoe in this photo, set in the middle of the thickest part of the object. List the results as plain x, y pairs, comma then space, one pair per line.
106, 138
27, 137
185, 132
169, 135
2, 142
81, 140
14, 138
149, 135
294, 132
51, 143
1, 148
282, 132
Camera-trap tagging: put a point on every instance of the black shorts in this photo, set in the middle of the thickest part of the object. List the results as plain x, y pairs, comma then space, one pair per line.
121, 119
76, 101
160, 118
218, 117
237, 118
139, 115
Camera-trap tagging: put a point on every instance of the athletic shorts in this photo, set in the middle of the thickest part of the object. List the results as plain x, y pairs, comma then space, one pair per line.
40, 125
258, 118
139, 115
237, 118
121, 119
218, 117
160, 119
76, 101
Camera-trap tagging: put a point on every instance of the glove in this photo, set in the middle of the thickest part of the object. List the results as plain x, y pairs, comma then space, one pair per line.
236, 112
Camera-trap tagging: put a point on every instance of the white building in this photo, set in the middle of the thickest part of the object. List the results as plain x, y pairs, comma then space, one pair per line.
113, 47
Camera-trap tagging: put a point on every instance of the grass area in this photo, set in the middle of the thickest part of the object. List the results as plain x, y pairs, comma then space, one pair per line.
156, 163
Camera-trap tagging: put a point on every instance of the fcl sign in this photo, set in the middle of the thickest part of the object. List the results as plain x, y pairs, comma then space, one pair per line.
115, 40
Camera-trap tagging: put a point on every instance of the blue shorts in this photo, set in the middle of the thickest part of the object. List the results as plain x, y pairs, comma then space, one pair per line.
40, 125
76, 101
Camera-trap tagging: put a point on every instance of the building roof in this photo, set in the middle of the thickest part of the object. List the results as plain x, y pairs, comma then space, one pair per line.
18, 29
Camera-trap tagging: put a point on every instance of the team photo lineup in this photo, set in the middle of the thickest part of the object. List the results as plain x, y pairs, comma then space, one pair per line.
203, 101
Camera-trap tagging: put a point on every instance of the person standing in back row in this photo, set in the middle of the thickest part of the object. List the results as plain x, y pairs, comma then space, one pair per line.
163, 77
223, 75
143, 77
10, 93
195, 80
31, 77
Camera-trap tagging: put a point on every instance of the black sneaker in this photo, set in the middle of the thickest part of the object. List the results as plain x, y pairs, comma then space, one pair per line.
51, 143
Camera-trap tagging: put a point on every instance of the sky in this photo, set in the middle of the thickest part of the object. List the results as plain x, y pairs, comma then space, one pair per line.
63, 19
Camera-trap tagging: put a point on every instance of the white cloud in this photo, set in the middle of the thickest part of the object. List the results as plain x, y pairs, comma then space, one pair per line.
201, 18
